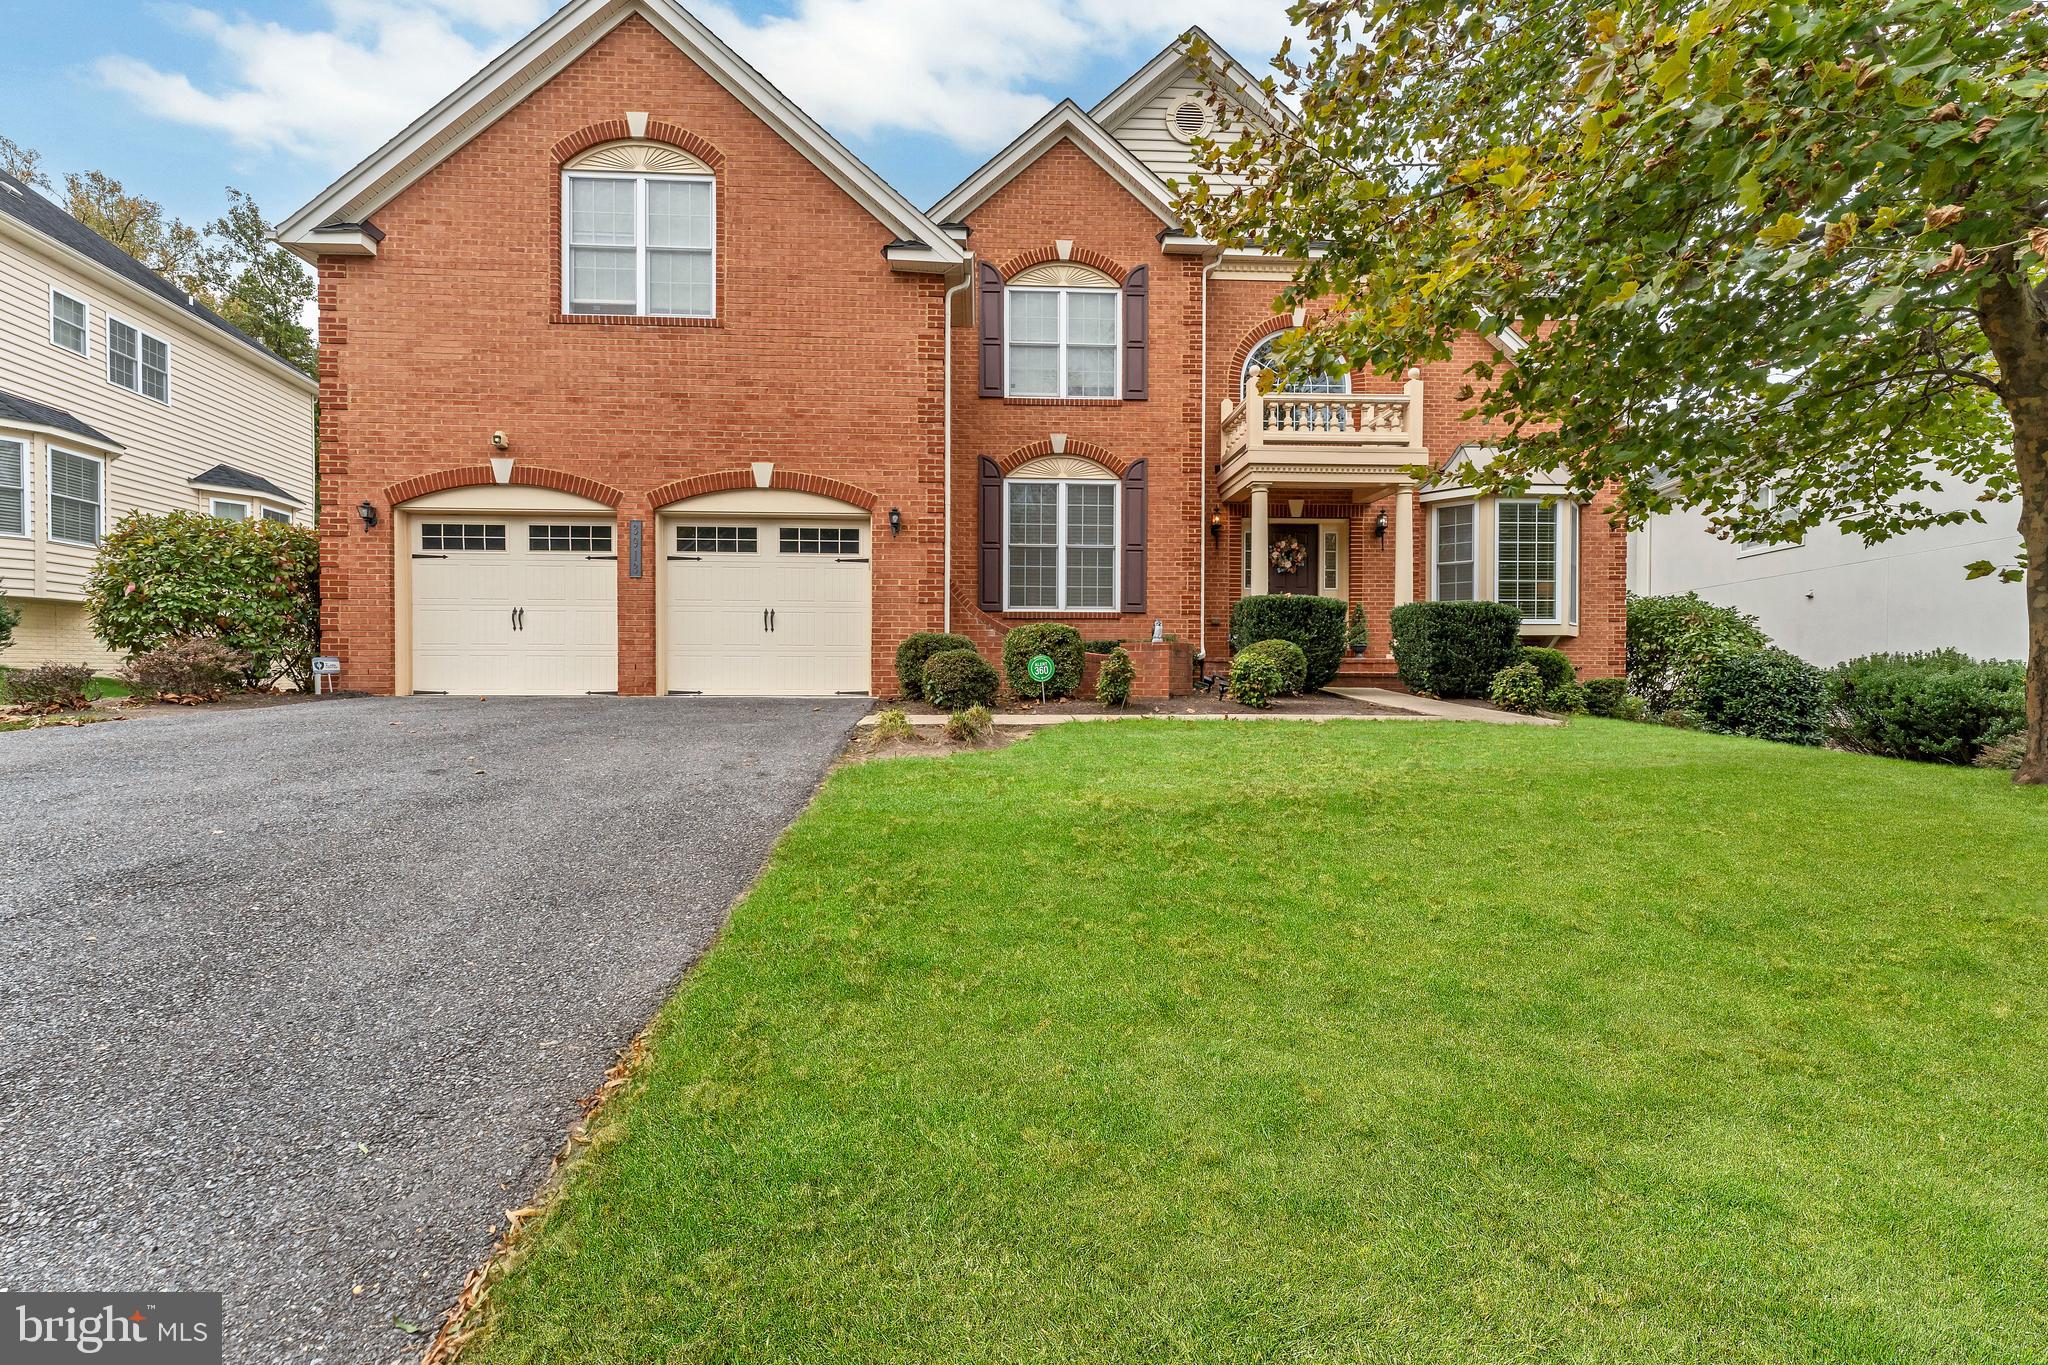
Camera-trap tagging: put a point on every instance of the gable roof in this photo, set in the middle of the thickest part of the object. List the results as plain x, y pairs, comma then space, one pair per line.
242, 481
15, 410
51, 223
1065, 120
1164, 69
529, 63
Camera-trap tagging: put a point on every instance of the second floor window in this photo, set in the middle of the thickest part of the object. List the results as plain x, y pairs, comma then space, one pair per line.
138, 361
638, 245
1062, 343
67, 322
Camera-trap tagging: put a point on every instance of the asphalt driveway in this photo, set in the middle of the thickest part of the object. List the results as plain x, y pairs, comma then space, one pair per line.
296, 1001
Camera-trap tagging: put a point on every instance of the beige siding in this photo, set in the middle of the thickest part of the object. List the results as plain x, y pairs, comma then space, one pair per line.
56, 633
228, 406
1145, 133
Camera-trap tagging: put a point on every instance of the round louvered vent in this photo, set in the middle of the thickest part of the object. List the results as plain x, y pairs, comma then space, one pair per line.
1189, 119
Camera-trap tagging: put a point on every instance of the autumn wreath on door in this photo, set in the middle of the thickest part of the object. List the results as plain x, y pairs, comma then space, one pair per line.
1288, 555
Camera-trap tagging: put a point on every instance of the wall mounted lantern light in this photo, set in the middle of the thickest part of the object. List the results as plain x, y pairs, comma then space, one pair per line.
367, 513
1379, 528
895, 522
1216, 527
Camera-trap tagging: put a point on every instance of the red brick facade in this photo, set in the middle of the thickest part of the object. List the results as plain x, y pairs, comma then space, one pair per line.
821, 360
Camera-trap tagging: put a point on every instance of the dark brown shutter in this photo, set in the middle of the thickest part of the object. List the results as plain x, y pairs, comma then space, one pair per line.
1134, 537
990, 545
991, 331
1135, 389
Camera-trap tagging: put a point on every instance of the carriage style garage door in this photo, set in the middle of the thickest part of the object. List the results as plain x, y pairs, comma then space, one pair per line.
514, 605
766, 607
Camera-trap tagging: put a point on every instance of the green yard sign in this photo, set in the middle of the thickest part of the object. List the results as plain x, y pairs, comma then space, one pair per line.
1040, 668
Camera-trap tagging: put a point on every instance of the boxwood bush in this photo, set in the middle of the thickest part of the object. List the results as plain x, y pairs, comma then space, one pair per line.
1517, 688
955, 679
1940, 707
1762, 693
1061, 643
1670, 637
1453, 649
915, 650
1255, 679
1315, 625
1604, 695
1288, 658
1116, 677
1552, 665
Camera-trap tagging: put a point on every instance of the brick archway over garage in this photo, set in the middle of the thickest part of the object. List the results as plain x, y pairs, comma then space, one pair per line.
795, 481
526, 475
1081, 450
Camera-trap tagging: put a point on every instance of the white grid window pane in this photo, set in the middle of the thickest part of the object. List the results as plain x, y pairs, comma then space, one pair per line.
1528, 559
679, 213
1034, 371
156, 369
679, 283
1261, 359
13, 488
1034, 545
1091, 318
67, 322
1091, 372
1091, 514
601, 278
601, 212
1034, 317
1454, 558
1329, 560
122, 365
74, 498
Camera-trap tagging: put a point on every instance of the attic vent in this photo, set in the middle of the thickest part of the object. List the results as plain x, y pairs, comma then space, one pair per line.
1190, 119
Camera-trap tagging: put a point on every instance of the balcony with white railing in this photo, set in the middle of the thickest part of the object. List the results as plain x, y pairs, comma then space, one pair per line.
1322, 440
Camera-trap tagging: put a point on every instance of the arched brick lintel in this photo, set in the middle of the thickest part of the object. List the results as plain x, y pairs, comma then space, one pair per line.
658, 130
794, 480
1270, 327
1082, 255
527, 475
1085, 450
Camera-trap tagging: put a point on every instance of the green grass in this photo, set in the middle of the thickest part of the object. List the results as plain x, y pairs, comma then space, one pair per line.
98, 689
1359, 1042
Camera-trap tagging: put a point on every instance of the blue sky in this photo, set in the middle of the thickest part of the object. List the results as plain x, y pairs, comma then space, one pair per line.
277, 97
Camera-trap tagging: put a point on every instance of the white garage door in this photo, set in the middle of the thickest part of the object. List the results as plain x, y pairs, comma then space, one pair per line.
514, 606
767, 608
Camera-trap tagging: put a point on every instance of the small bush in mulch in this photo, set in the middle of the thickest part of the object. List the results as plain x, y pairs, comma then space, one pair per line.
193, 668
50, 687
958, 678
1554, 664
1117, 676
1255, 679
2003, 753
1518, 688
1062, 644
1288, 658
1566, 699
970, 726
1604, 695
1763, 693
892, 724
915, 651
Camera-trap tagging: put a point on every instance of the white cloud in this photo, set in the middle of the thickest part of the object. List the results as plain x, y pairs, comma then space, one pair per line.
974, 74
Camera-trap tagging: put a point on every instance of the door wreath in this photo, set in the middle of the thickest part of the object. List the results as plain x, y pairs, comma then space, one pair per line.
1288, 555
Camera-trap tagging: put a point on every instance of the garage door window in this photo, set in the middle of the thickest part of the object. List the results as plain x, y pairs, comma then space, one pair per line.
820, 540
461, 535
725, 540
583, 539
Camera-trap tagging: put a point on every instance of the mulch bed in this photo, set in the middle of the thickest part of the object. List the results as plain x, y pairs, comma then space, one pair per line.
1200, 704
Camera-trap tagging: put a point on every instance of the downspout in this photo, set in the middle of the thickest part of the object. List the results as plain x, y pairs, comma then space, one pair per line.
1202, 509
946, 330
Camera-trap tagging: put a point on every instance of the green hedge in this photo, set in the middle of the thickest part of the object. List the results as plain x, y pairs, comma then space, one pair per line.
915, 650
1762, 693
1316, 625
1671, 637
1062, 643
1941, 707
955, 679
1288, 658
1552, 665
1604, 696
1453, 649
1518, 688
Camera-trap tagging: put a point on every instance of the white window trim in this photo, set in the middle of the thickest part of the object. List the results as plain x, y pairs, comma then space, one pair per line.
213, 506
1116, 343
55, 294
99, 519
1566, 564
1479, 585
1116, 547
28, 492
640, 247
140, 333
280, 515
1486, 558
1749, 549
1245, 387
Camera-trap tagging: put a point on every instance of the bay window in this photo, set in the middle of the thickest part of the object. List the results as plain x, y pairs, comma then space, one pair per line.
1060, 545
77, 492
1527, 572
1518, 551
638, 245
13, 488
1453, 565
1062, 343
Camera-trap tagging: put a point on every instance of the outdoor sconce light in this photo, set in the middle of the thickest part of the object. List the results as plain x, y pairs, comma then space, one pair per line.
1379, 528
367, 513
1216, 527
895, 522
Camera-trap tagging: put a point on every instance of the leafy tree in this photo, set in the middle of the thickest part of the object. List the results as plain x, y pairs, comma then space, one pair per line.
1789, 258
171, 247
263, 289
23, 163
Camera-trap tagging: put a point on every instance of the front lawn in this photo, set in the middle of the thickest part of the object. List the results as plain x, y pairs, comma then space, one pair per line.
1357, 1041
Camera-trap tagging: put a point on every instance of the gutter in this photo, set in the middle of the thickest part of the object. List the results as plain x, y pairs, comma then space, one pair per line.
946, 462
1202, 507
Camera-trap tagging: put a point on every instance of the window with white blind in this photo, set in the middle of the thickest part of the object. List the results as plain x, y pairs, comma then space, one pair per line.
13, 488
138, 361
1527, 568
1060, 546
76, 495
1062, 343
68, 322
1454, 561
229, 509
638, 245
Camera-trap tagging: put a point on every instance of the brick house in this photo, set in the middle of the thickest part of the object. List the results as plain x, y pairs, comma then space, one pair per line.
633, 379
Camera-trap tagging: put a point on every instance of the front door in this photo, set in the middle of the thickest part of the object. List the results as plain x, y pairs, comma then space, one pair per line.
1291, 559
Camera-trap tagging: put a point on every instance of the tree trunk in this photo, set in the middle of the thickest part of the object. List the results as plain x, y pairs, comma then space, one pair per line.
2015, 324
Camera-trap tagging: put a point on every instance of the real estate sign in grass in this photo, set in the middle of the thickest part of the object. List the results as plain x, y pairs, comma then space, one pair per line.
1352, 1042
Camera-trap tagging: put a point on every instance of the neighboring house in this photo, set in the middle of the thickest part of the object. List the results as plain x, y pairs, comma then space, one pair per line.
635, 380
118, 394
1831, 597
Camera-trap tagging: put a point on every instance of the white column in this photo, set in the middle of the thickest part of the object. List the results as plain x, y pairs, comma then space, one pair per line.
1262, 538
1404, 546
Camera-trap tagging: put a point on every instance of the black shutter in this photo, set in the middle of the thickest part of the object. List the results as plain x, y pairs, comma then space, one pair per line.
989, 547
991, 331
1135, 388
1134, 537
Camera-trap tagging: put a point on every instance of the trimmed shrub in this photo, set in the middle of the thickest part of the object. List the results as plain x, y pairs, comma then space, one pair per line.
959, 678
1453, 649
1762, 693
970, 726
913, 653
253, 585
1356, 633
1315, 625
1061, 643
50, 687
1942, 707
186, 668
1567, 699
1288, 658
1113, 682
1604, 695
1517, 688
1552, 665
1671, 637
1102, 646
1255, 679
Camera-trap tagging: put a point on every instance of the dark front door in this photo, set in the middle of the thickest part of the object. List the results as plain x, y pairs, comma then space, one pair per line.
1294, 543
